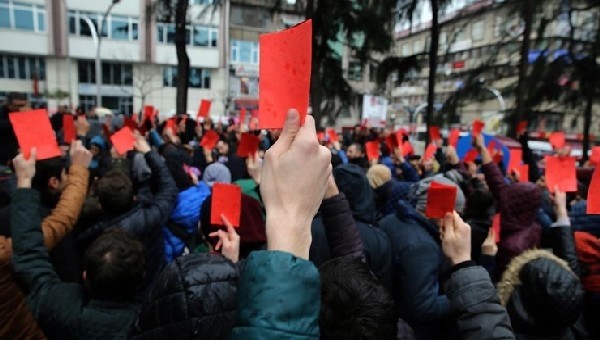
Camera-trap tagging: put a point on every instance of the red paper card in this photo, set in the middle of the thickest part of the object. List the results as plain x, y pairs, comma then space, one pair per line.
407, 149
172, 124
130, 123
372, 150
496, 220
243, 115
434, 133
561, 171
595, 156
248, 145
429, 151
333, 137
477, 127
204, 108
523, 173
69, 133
149, 113
593, 201
320, 136
557, 139
209, 140
522, 126
123, 140
400, 137
33, 130
492, 147
226, 200
285, 66
516, 159
389, 142
470, 156
440, 200
453, 138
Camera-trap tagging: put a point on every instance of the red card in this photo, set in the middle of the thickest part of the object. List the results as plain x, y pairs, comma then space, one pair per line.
372, 150
429, 151
226, 200
243, 115
320, 136
557, 139
149, 113
407, 149
522, 126
204, 108
440, 200
389, 142
497, 158
248, 145
453, 138
69, 133
33, 130
561, 171
593, 201
523, 173
516, 159
209, 140
470, 156
400, 136
172, 124
123, 140
434, 133
595, 156
333, 137
492, 147
496, 220
254, 114
285, 66
477, 127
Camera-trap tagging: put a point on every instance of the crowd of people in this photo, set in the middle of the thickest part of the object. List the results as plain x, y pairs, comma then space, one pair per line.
331, 244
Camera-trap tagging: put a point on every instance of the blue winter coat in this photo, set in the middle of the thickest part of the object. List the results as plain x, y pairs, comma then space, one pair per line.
186, 214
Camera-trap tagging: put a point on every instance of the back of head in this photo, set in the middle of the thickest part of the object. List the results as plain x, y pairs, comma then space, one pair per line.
418, 194
353, 183
216, 173
522, 201
542, 295
114, 265
115, 192
378, 175
354, 305
44, 171
480, 204
194, 295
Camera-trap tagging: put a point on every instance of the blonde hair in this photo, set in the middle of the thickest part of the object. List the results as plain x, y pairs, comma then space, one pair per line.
378, 175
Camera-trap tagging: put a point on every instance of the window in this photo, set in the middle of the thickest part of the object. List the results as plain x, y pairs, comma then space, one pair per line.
417, 46
117, 27
244, 52
355, 72
21, 16
372, 72
478, 31
20, 67
405, 49
199, 77
498, 26
196, 35
112, 73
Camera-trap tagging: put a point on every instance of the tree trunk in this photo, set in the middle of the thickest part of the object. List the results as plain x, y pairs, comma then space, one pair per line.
433, 55
521, 110
183, 61
316, 97
587, 122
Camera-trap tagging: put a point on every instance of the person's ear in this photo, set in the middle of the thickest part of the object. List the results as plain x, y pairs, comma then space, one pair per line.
84, 276
53, 183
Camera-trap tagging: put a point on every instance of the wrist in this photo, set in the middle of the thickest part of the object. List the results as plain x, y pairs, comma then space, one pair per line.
460, 259
287, 233
24, 183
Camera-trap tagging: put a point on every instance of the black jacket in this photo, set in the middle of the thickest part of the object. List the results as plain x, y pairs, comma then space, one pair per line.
145, 220
193, 298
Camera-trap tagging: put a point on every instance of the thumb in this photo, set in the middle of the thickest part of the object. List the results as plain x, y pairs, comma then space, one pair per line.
290, 129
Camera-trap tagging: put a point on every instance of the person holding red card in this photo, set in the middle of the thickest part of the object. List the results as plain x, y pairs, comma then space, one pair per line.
517, 204
417, 255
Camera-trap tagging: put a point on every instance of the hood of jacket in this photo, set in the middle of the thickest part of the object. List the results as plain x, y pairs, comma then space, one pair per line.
406, 211
187, 209
352, 181
541, 293
194, 295
521, 204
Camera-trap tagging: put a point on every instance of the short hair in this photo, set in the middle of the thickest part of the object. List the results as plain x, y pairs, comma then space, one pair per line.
354, 304
359, 147
114, 265
15, 96
44, 171
115, 192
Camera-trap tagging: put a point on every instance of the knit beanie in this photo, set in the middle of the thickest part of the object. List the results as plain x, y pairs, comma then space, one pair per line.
418, 195
216, 173
378, 175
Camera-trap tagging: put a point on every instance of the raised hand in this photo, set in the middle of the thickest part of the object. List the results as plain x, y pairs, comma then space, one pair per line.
456, 238
25, 169
229, 241
80, 155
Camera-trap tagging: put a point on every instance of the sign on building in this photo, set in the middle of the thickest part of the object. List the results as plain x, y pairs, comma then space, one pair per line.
374, 111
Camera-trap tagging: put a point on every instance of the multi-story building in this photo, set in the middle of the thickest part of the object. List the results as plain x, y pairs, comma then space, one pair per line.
486, 32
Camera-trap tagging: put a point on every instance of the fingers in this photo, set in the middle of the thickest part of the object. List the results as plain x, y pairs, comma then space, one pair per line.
33, 154
290, 129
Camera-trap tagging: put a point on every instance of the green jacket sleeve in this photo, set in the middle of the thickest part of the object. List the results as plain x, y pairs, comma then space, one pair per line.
279, 298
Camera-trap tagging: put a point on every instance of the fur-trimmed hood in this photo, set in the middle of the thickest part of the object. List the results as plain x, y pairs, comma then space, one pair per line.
541, 293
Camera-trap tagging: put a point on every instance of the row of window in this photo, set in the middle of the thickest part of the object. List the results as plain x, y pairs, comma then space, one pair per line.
355, 71
112, 73
245, 52
19, 67
198, 78
116, 27
196, 35
22, 16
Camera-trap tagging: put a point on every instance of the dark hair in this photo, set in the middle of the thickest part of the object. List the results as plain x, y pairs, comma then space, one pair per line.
115, 192
479, 204
114, 265
359, 147
15, 96
44, 171
354, 305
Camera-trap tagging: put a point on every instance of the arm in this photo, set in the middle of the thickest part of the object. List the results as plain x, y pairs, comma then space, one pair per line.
561, 235
272, 276
409, 172
340, 227
492, 173
528, 158
474, 299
